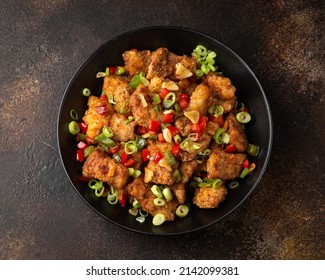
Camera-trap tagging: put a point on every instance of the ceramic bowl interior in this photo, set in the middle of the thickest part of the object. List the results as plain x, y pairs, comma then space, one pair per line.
180, 41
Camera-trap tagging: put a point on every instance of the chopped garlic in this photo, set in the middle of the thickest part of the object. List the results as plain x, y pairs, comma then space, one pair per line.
167, 135
182, 72
143, 100
193, 116
170, 85
164, 163
148, 175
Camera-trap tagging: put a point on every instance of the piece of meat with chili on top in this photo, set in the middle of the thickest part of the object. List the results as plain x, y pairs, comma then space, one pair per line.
97, 116
142, 193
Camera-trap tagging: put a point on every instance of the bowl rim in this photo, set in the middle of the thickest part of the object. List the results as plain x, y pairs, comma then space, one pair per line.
181, 29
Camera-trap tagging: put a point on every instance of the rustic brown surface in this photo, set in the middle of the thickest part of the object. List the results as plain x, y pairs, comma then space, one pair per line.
43, 43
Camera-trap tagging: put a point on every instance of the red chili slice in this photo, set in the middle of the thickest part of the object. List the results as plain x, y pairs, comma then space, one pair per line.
80, 156
83, 127
161, 138
230, 148
176, 149
163, 92
124, 158
183, 100
145, 153
154, 125
142, 130
130, 162
122, 199
158, 157
173, 130
168, 118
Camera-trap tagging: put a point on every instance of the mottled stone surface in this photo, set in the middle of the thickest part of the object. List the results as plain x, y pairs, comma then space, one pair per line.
41, 45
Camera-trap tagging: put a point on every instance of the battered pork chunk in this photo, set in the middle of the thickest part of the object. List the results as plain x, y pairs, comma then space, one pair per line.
100, 166
225, 166
122, 131
136, 61
209, 197
236, 133
221, 87
120, 89
143, 194
93, 119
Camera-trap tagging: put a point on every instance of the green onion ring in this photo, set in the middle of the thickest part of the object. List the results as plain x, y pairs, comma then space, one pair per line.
130, 147
169, 100
86, 92
73, 115
243, 117
74, 127
233, 184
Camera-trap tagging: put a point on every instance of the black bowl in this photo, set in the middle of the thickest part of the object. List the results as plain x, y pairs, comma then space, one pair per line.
180, 41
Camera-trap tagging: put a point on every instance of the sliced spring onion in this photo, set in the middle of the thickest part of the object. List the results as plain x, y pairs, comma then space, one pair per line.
124, 109
73, 115
170, 157
129, 120
140, 219
130, 147
74, 128
143, 213
167, 193
131, 171
105, 140
158, 219
199, 73
135, 81
244, 173
159, 202
111, 99
156, 99
212, 109
205, 152
112, 197
169, 100
107, 132
177, 138
218, 136
177, 176
136, 204
243, 117
137, 173
177, 108
107, 71
182, 211
193, 136
252, 150
120, 70
86, 92
95, 184
200, 51
88, 150
199, 158
99, 192
156, 191
233, 184
219, 110
216, 183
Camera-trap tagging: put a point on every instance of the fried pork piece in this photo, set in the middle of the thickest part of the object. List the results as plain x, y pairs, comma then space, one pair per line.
93, 119
236, 133
228, 105
159, 66
184, 126
203, 143
120, 89
200, 100
155, 172
142, 107
100, 166
208, 197
143, 194
221, 87
122, 132
179, 192
189, 62
225, 166
136, 61
187, 168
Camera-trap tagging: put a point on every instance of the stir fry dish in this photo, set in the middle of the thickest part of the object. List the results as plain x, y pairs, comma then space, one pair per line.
167, 134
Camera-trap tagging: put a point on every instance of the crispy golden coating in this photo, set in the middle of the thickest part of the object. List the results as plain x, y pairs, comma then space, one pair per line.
120, 89
93, 119
142, 108
159, 66
100, 166
136, 61
179, 191
187, 168
200, 100
221, 87
143, 194
236, 133
225, 166
123, 132
208, 197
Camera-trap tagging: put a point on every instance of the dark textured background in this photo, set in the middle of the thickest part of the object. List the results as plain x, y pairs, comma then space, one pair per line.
42, 43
